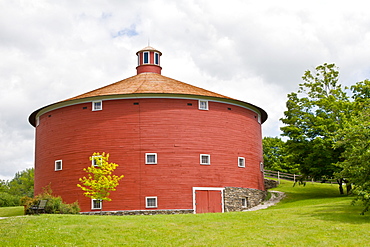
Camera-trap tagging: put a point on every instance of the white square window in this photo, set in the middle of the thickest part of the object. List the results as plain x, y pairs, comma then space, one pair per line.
97, 105
203, 105
150, 158
58, 165
244, 202
96, 204
205, 159
96, 160
241, 161
151, 202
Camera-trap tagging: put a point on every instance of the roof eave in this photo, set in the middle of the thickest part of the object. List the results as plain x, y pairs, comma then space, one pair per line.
34, 115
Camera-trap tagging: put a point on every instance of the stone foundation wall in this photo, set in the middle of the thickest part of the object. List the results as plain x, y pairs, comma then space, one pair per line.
233, 198
140, 212
269, 184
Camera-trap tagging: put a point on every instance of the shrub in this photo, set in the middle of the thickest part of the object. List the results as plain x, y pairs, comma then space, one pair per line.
72, 208
8, 200
55, 205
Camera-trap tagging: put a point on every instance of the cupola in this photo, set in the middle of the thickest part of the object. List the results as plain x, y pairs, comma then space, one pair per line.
148, 60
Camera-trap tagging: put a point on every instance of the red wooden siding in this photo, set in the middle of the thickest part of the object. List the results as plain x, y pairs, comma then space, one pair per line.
176, 131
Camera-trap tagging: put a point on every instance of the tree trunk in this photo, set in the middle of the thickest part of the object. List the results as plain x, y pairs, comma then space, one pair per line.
340, 183
348, 186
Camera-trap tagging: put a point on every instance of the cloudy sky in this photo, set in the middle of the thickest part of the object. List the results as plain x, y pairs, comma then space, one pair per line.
254, 51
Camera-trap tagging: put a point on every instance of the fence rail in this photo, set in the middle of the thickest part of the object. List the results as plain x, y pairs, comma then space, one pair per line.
281, 175
292, 177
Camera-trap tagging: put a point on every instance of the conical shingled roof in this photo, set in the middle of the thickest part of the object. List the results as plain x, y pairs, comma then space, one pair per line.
148, 83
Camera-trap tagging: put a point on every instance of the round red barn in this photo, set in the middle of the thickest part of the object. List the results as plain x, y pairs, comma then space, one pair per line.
181, 148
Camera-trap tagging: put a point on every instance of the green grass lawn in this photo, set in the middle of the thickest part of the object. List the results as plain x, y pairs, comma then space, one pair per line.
11, 211
314, 215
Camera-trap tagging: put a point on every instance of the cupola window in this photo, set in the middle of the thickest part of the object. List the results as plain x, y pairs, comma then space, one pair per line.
156, 58
146, 57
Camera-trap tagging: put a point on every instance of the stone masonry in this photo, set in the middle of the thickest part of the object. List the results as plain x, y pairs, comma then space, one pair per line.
234, 198
269, 184
140, 212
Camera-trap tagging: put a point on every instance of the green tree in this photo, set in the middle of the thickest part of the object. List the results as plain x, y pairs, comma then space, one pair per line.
314, 115
274, 155
3, 186
355, 140
99, 182
22, 183
361, 95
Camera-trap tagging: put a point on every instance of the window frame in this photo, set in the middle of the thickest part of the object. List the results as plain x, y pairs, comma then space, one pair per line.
147, 204
156, 58
206, 108
56, 167
146, 53
243, 159
155, 159
93, 160
94, 108
208, 158
93, 204
244, 202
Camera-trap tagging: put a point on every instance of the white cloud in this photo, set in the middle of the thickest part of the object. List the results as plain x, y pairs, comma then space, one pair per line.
250, 50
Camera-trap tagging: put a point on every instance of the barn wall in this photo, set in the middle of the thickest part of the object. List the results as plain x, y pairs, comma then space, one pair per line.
127, 129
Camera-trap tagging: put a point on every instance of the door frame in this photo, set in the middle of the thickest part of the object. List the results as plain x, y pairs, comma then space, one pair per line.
208, 188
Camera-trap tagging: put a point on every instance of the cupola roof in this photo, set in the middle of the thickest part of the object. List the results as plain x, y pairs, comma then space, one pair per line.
149, 48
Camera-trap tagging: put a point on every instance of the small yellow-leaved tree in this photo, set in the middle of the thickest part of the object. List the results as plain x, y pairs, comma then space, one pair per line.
99, 181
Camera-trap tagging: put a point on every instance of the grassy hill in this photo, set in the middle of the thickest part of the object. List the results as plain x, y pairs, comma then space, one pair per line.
314, 215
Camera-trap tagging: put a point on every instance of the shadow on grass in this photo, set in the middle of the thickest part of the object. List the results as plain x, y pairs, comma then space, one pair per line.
302, 194
324, 202
342, 213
